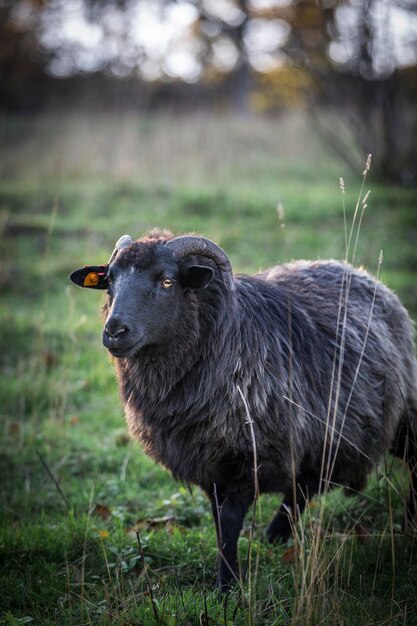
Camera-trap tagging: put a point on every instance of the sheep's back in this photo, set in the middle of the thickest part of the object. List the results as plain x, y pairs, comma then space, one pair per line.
342, 354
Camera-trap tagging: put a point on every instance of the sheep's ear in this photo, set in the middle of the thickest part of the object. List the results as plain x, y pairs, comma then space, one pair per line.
196, 276
91, 276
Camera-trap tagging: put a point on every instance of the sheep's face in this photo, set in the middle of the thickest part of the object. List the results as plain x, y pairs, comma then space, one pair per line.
147, 289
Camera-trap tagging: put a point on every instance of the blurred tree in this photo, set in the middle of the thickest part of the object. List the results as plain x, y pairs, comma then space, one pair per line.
354, 59
22, 63
362, 57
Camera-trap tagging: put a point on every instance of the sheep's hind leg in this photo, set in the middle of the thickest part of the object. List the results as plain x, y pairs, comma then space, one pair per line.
406, 449
280, 529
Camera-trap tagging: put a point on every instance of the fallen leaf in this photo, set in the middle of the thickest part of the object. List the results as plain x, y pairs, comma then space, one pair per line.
14, 428
50, 358
155, 522
169, 522
289, 555
103, 511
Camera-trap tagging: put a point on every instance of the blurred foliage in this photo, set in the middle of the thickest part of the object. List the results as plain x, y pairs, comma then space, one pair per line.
281, 88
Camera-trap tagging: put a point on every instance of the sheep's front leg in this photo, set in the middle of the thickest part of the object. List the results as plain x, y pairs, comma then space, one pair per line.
228, 511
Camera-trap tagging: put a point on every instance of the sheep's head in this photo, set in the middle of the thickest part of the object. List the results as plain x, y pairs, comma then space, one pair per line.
148, 283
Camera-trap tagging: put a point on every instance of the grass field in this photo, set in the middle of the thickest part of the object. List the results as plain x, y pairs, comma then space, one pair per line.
74, 489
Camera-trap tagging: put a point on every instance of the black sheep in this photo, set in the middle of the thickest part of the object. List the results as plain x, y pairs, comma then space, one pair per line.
321, 353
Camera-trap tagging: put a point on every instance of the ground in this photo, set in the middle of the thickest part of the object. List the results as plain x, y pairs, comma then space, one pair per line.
74, 490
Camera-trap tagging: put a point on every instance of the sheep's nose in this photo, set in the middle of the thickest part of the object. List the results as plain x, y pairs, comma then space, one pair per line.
115, 328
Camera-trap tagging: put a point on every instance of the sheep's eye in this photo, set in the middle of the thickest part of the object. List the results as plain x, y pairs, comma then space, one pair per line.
167, 283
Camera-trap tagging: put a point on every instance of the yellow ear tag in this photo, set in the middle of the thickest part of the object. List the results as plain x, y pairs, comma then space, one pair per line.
91, 280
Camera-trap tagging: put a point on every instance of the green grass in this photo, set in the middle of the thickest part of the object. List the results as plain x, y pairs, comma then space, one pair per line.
68, 189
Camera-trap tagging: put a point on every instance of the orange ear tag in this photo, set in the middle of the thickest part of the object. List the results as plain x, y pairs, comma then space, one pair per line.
91, 280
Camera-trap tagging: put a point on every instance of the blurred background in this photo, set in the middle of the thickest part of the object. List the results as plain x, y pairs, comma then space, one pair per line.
349, 65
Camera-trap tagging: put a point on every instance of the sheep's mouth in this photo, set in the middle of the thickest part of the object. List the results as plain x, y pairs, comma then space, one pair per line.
126, 351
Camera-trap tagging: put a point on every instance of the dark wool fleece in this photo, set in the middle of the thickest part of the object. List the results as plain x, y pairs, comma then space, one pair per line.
307, 343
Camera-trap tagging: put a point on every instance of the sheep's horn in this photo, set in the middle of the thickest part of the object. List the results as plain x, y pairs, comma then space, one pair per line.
123, 242
184, 246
